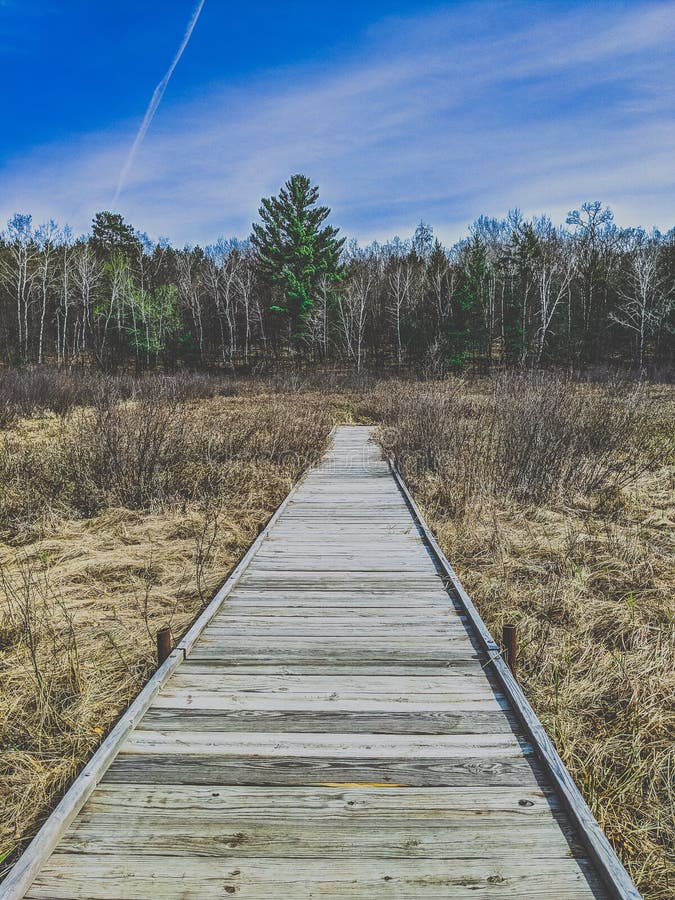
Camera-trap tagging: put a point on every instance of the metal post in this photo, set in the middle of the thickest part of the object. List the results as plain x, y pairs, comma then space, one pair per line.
163, 644
510, 648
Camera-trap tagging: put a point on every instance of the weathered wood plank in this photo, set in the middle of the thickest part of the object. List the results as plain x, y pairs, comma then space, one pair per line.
358, 686
348, 663
280, 647
90, 877
392, 803
341, 581
242, 612
172, 699
306, 837
203, 689
477, 721
302, 745
341, 654
332, 600
357, 629
153, 768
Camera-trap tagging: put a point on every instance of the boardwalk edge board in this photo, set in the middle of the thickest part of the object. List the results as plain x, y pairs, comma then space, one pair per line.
26, 868
615, 877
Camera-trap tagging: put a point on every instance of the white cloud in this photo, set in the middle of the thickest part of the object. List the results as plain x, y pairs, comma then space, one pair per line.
433, 118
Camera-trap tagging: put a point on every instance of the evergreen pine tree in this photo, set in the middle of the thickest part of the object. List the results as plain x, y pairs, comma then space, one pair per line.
468, 334
294, 251
111, 234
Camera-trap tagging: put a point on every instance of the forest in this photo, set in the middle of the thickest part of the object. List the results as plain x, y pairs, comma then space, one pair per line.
514, 293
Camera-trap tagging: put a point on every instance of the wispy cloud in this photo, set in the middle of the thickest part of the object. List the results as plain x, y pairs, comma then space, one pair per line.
442, 117
155, 100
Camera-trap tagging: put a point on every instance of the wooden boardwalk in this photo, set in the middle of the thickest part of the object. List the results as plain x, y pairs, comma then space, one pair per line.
334, 731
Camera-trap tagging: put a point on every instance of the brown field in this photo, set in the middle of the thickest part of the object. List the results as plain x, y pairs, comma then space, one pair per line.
122, 508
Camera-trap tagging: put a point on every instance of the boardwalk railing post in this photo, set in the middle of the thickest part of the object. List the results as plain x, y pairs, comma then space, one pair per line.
163, 644
510, 647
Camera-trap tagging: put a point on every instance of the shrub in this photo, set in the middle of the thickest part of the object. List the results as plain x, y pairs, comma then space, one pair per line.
532, 437
46, 389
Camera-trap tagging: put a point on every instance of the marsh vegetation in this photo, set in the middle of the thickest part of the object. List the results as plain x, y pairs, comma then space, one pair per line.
124, 502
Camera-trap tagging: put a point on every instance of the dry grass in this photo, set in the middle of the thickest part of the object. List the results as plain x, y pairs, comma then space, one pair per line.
29, 392
578, 550
116, 520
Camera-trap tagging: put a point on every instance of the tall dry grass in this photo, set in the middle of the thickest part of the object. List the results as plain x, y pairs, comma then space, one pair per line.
529, 437
117, 518
45, 389
554, 501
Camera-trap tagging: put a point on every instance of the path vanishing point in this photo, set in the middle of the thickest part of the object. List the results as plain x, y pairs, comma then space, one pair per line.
338, 723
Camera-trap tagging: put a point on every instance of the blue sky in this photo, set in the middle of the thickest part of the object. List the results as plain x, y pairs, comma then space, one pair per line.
400, 111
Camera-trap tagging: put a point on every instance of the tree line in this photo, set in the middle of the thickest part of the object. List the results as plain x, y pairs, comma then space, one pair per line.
515, 292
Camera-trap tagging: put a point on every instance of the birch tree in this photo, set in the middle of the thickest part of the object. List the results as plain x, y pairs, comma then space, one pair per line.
87, 272
18, 275
47, 239
647, 297
190, 287
354, 303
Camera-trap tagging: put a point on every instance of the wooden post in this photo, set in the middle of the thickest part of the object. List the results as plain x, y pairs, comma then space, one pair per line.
510, 648
163, 644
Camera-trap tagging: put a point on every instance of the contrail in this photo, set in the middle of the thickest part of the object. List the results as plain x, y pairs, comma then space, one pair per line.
156, 100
